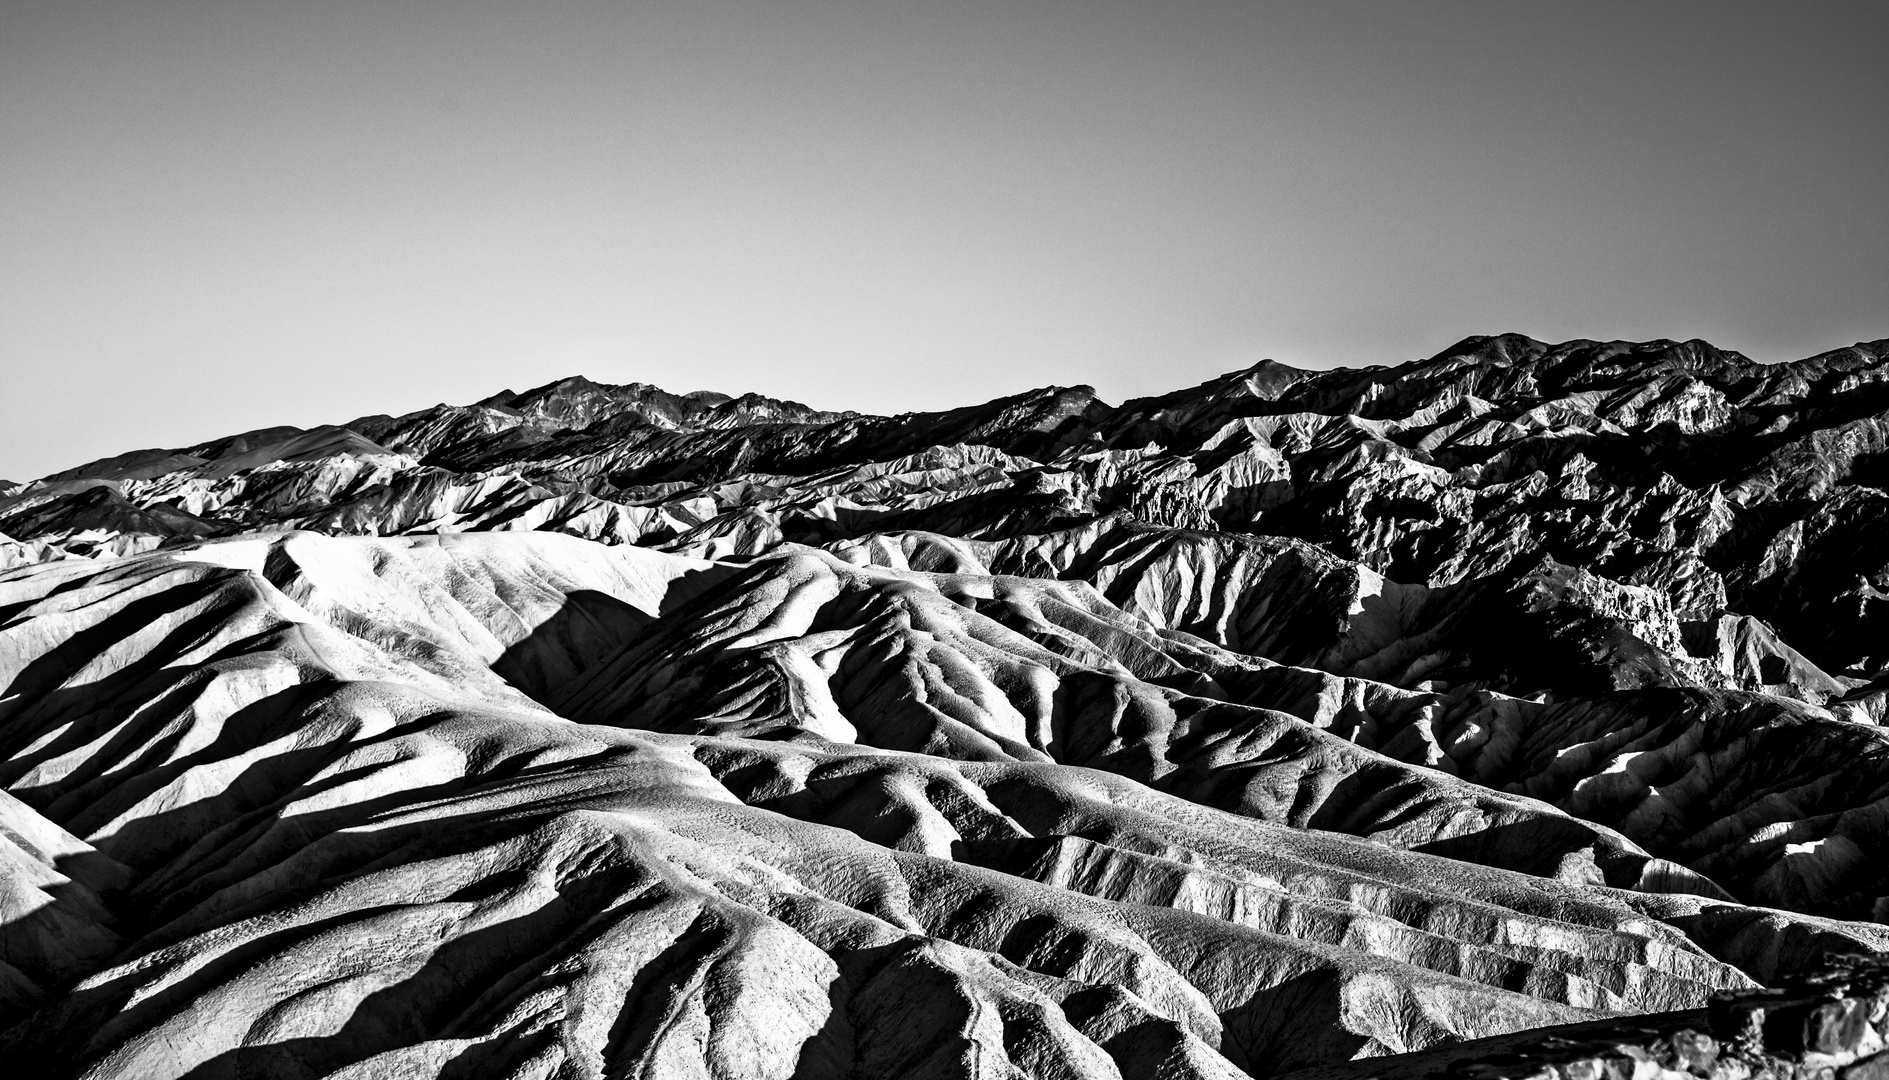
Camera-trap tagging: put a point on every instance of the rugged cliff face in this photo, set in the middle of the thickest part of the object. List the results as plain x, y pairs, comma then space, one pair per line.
1290, 719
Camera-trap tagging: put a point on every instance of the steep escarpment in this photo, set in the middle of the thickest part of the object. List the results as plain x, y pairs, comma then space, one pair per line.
1274, 724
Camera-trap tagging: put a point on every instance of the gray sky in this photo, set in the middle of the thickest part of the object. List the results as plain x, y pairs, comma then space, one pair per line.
222, 215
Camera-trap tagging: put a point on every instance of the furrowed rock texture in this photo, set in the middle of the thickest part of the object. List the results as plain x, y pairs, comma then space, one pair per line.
1290, 722
1833, 1022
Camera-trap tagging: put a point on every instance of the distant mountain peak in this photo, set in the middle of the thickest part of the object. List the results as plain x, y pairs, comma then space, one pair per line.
1515, 711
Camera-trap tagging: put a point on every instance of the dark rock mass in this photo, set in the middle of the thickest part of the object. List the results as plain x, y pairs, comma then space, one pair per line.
1514, 712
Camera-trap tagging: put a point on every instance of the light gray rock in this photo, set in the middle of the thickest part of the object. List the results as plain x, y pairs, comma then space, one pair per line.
1278, 724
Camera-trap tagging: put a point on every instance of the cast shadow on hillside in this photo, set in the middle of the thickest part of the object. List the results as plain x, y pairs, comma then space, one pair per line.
1294, 1025
587, 630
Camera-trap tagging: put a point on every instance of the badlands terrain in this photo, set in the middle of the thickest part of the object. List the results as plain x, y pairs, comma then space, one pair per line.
1280, 723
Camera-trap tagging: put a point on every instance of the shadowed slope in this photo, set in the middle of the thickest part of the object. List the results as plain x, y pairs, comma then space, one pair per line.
325, 817
1288, 719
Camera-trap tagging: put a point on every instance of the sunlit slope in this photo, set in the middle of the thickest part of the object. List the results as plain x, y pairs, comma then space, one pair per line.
283, 817
1288, 719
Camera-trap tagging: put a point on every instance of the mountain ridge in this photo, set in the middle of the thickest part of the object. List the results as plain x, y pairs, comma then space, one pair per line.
1289, 720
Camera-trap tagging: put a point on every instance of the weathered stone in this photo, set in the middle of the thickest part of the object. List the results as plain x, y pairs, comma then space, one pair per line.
1695, 1051
1620, 1066
1508, 705
1589, 1069
1874, 1067
1836, 1027
1738, 1021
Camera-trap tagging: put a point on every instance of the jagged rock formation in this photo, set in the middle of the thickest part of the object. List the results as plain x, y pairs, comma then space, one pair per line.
1291, 719
1830, 1023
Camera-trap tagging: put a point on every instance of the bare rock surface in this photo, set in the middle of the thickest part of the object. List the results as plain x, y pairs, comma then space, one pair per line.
1833, 1022
1284, 724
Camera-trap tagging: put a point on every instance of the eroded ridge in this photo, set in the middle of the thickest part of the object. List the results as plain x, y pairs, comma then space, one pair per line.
1280, 724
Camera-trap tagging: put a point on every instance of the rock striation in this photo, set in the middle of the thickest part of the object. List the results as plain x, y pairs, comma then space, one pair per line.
1826, 1024
1329, 723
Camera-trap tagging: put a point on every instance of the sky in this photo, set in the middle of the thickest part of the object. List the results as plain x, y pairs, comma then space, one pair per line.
217, 216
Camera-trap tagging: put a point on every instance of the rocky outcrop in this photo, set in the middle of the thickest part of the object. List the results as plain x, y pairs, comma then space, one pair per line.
1830, 1023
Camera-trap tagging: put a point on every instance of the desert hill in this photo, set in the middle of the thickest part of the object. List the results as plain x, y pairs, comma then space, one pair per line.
1267, 725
